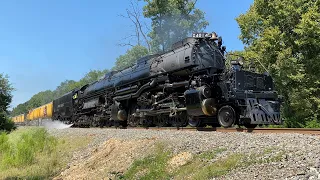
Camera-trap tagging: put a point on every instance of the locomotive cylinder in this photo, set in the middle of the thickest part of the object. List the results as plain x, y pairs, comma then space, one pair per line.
197, 104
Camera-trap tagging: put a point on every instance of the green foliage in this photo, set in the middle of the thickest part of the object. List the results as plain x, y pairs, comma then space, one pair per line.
131, 56
32, 153
5, 99
284, 37
313, 123
20, 148
6, 123
172, 20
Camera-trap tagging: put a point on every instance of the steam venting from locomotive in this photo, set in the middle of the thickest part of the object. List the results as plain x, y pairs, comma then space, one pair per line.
187, 85
49, 124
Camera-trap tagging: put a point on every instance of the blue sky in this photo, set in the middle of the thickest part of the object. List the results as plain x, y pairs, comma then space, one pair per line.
43, 43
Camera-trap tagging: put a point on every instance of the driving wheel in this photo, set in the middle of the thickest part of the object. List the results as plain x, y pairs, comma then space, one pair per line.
226, 116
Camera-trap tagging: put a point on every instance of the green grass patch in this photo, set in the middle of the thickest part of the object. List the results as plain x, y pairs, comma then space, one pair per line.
150, 167
21, 148
155, 166
200, 167
32, 153
218, 168
208, 155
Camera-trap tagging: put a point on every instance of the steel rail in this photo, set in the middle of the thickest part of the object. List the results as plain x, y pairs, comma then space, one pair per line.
313, 131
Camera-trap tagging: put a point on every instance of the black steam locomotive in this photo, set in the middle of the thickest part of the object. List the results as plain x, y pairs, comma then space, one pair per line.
189, 84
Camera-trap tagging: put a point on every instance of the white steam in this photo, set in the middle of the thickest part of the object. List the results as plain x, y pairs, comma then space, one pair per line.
49, 124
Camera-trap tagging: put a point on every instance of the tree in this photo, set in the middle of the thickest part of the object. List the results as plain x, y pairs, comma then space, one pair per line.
128, 59
172, 20
20, 109
64, 87
5, 100
90, 77
284, 36
134, 15
40, 99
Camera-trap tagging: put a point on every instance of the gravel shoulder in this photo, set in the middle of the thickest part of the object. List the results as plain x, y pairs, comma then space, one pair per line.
264, 156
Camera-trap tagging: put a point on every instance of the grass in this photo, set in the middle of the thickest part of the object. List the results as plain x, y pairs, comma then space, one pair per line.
205, 165
155, 166
199, 168
218, 168
31, 153
208, 155
150, 167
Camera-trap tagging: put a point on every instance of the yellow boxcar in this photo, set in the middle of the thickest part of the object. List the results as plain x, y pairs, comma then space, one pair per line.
14, 119
21, 118
18, 119
41, 112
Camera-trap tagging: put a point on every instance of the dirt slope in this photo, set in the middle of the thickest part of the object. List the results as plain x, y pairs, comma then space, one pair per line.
110, 159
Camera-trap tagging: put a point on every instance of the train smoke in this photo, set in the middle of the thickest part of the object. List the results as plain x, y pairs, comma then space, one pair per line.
49, 124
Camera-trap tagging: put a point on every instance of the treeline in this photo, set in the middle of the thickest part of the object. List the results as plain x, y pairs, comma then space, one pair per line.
283, 35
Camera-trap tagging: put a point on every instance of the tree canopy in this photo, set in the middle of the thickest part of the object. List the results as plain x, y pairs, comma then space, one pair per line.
284, 36
172, 20
130, 57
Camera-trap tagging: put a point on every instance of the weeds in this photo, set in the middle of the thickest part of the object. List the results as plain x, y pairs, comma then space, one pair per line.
31, 153
219, 168
199, 169
150, 167
156, 166
208, 155
26, 145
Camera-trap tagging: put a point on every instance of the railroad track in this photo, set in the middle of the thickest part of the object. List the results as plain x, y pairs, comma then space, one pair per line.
313, 131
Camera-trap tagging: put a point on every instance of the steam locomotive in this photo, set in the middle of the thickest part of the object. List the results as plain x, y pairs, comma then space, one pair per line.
188, 85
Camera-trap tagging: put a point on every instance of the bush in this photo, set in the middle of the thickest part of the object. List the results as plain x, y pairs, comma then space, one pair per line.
20, 148
5, 100
6, 124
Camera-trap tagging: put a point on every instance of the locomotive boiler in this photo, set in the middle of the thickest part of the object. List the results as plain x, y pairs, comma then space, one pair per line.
187, 85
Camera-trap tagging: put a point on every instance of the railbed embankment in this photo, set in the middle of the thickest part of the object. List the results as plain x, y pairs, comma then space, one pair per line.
114, 152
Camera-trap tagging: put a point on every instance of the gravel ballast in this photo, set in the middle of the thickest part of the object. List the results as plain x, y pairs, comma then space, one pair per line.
281, 156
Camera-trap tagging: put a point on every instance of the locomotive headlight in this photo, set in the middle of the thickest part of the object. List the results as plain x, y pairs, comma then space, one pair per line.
241, 61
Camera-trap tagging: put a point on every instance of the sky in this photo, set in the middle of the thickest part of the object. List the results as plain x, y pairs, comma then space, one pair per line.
43, 43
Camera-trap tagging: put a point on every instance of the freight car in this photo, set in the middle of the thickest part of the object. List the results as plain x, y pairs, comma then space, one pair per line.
42, 112
190, 84
34, 116
19, 119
